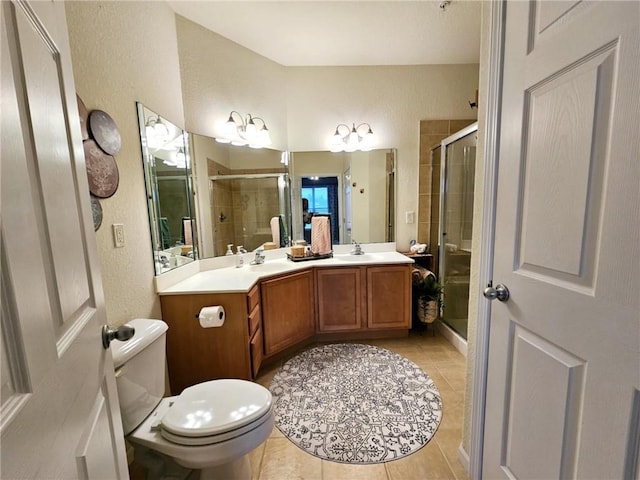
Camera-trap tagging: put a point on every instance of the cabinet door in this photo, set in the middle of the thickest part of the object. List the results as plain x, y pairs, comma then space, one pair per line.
339, 299
389, 297
287, 310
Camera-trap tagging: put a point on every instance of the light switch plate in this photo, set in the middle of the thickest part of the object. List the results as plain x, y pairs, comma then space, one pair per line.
409, 217
118, 235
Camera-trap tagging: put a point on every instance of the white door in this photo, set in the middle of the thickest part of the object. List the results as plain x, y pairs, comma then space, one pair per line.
563, 398
60, 414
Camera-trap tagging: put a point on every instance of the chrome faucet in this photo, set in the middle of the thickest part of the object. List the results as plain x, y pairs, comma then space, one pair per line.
357, 249
164, 261
259, 260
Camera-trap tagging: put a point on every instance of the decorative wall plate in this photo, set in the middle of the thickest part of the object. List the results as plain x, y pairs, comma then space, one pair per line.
105, 132
84, 117
96, 210
102, 170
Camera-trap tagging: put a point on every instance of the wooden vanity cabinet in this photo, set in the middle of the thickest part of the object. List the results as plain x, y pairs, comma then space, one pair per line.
363, 298
196, 354
339, 294
287, 310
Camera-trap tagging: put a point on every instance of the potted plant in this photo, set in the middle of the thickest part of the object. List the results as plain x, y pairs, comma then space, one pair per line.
427, 291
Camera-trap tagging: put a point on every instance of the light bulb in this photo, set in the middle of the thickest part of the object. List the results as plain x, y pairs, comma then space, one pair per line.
180, 157
352, 141
160, 129
230, 127
250, 130
265, 138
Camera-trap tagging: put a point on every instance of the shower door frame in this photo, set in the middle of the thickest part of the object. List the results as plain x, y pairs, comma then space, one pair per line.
468, 130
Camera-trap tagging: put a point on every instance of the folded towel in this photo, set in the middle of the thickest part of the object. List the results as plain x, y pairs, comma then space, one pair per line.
283, 232
418, 248
275, 229
165, 233
419, 273
320, 235
187, 234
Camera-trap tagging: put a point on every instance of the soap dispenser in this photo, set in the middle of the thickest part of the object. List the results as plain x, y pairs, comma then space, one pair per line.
240, 256
229, 249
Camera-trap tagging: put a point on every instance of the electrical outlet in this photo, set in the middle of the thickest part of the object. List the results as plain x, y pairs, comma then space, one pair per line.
118, 235
409, 217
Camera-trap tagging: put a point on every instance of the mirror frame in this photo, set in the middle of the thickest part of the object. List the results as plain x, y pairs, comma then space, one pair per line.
159, 253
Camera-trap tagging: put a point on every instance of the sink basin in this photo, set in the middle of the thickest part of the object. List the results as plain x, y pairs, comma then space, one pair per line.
266, 267
365, 257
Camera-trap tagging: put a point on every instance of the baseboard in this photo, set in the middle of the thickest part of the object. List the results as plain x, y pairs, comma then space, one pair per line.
463, 457
454, 338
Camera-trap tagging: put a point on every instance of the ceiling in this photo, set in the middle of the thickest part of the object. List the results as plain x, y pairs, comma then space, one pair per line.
324, 33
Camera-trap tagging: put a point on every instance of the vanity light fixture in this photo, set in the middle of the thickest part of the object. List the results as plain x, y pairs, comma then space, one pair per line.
157, 131
244, 131
351, 139
178, 160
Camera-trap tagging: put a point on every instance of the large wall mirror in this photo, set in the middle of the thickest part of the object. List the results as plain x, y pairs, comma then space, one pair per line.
168, 179
244, 197
243, 190
357, 189
251, 197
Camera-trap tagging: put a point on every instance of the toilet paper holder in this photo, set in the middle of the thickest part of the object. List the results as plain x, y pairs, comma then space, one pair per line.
211, 316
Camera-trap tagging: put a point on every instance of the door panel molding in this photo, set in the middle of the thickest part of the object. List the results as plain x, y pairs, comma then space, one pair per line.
572, 180
545, 382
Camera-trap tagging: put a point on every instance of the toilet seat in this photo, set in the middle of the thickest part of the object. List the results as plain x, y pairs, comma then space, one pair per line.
215, 411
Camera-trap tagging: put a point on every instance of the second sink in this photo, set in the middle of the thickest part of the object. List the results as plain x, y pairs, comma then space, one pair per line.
365, 257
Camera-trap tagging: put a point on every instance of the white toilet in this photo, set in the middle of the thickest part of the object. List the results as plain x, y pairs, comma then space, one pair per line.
210, 427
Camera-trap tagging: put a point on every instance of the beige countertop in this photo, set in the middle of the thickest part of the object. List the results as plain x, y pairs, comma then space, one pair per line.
229, 279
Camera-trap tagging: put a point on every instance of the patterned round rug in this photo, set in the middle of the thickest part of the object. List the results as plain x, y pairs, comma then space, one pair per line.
353, 403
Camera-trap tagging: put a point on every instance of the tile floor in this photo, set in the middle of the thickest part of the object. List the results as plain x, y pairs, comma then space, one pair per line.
280, 459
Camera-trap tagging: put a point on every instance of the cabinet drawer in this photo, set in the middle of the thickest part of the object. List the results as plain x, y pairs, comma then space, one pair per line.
253, 298
254, 320
257, 352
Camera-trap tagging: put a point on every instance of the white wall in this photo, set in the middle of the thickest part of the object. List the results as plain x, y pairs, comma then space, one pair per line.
219, 76
123, 52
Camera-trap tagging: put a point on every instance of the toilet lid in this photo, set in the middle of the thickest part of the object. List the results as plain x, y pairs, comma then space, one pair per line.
216, 407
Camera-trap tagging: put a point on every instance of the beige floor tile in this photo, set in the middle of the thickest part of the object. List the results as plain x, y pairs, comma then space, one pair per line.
426, 464
275, 433
282, 460
454, 375
255, 458
449, 442
452, 417
337, 471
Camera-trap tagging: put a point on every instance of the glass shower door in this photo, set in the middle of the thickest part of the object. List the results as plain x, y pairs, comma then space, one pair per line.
456, 221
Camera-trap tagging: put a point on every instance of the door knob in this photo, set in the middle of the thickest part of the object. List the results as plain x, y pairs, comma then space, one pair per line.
122, 333
501, 292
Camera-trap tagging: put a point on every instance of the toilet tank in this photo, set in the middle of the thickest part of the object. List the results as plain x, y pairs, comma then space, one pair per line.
140, 371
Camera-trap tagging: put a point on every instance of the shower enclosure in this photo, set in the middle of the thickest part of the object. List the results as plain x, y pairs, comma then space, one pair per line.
457, 172
243, 206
